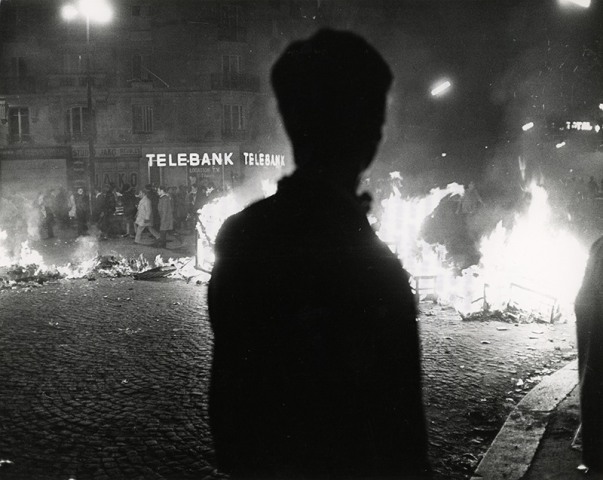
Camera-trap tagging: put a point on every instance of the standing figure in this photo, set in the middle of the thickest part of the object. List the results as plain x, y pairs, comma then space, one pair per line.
166, 216
316, 364
82, 209
589, 329
144, 216
46, 216
128, 200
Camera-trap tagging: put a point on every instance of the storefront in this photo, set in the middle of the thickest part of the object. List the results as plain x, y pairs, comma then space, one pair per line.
117, 165
31, 170
222, 168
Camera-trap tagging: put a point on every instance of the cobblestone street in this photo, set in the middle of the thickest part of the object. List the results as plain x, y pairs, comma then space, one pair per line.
107, 379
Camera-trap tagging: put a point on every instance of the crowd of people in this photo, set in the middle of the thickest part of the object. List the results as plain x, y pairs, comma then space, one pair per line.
111, 212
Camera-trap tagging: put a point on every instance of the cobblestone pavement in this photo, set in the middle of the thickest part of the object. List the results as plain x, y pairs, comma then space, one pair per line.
107, 379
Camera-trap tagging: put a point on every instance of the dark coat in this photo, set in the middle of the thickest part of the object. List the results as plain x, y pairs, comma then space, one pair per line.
589, 325
316, 367
82, 205
129, 201
166, 213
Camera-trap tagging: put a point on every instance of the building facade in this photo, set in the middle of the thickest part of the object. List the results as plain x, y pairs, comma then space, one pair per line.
184, 80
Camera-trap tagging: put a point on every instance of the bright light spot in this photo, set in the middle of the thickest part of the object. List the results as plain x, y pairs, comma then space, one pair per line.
580, 3
443, 154
601, 106
97, 11
69, 12
527, 126
597, 128
440, 88
395, 174
561, 144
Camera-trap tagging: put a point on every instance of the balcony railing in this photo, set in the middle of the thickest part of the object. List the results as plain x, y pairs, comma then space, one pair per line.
16, 85
76, 80
239, 81
17, 138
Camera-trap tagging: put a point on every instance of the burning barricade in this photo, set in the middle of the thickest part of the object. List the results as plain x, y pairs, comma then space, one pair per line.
528, 271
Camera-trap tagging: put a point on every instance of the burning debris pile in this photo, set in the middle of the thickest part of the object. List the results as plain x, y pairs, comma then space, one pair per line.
529, 271
29, 269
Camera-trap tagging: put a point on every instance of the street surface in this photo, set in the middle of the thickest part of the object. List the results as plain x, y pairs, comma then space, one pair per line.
107, 379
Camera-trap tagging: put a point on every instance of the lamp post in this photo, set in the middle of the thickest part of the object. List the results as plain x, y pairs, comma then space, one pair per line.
97, 11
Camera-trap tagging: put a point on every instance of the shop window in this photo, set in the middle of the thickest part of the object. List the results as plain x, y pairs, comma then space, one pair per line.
142, 119
232, 119
18, 124
77, 122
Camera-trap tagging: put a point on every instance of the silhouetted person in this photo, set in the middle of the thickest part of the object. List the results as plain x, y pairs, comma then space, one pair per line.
589, 323
82, 207
316, 367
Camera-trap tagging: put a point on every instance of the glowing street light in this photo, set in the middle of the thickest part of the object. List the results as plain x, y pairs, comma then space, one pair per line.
579, 3
527, 126
95, 11
440, 88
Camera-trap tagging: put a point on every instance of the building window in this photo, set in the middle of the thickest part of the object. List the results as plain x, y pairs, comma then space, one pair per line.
230, 68
74, 63
232, 119
142, 119
18, 67
140, 67
232, 23
77, 122
18, 124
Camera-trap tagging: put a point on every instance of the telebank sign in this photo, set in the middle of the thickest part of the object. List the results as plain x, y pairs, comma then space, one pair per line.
214, 159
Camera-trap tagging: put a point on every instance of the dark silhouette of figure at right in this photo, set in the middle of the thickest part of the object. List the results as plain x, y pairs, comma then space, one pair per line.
589, 329
316, 368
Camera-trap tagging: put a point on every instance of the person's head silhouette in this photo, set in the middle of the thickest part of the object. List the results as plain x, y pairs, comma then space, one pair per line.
331, 91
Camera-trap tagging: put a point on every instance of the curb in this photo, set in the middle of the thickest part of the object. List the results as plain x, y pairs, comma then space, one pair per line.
513, 449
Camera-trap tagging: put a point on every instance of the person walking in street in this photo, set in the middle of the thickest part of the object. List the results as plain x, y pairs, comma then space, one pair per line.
46, 216
589, 332
144, 218
107, 204
81, 209
128, 200
166, 216
316, 365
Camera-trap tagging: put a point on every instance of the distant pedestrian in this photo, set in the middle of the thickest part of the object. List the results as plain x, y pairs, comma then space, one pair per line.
81, 206
107, 210
46, 216
589, 329
144, 217
128, 200
166, 216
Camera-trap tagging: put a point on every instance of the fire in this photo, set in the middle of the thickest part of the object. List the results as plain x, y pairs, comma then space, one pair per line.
534, 264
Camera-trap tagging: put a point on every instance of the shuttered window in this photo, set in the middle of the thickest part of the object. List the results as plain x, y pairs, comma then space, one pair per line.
142, 118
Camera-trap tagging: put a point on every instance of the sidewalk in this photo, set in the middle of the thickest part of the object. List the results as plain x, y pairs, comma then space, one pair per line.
535, 441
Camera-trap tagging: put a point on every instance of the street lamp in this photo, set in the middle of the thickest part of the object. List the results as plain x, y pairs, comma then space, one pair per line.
440, 88
95, 11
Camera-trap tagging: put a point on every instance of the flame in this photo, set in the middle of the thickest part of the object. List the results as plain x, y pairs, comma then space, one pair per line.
535, 263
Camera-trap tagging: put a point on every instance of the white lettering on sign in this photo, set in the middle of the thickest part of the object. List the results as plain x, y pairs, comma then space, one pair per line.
264, 159
191, 159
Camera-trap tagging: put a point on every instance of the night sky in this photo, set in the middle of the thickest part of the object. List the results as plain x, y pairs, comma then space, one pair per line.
510, 62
